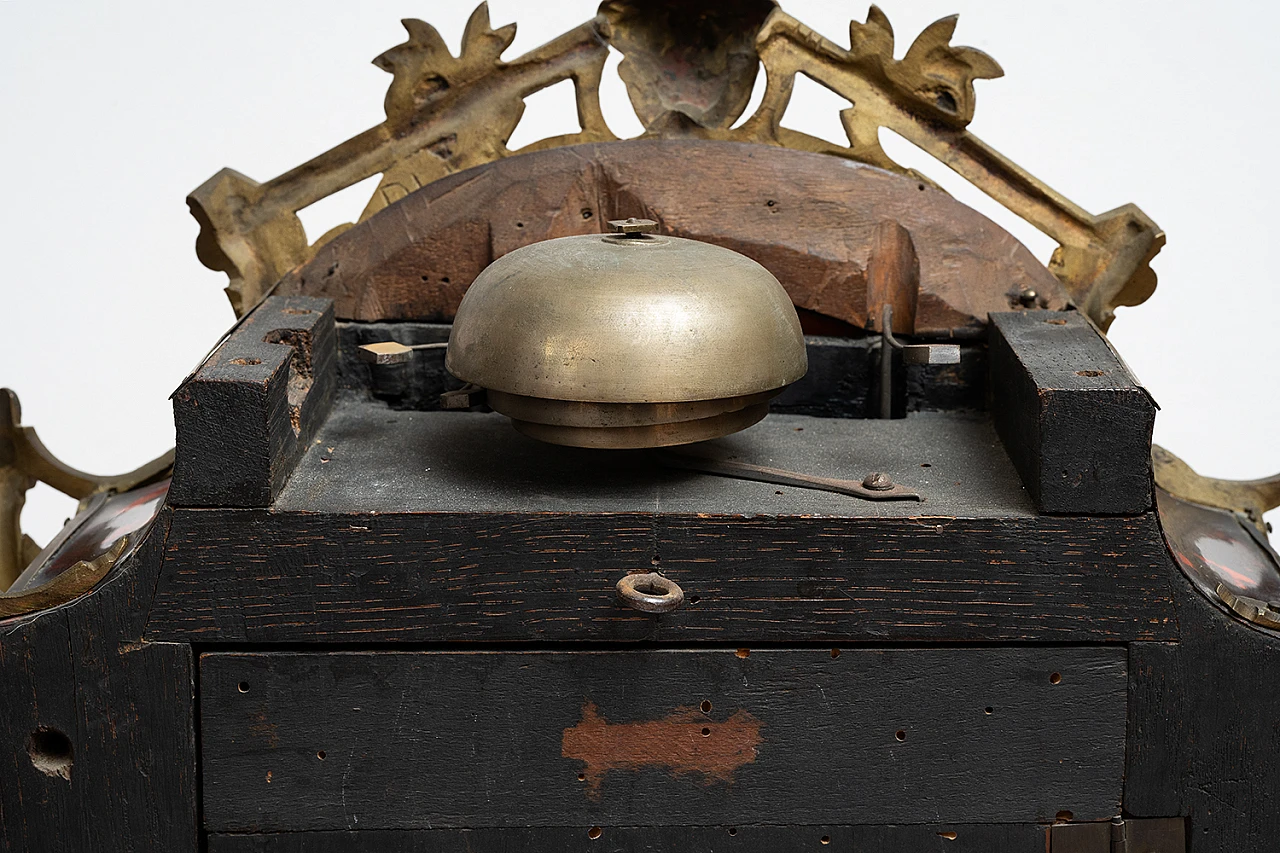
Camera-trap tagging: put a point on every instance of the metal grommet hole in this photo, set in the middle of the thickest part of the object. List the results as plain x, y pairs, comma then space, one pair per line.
1055, 678
900, 735
243, 687
705, 706
594, 832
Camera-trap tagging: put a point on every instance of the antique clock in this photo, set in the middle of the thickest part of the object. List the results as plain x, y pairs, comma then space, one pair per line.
718, 489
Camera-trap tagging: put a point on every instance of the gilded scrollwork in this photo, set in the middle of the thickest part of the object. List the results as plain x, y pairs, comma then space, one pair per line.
689, 70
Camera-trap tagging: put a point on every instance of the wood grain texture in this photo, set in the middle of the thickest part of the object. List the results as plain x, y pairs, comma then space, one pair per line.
246, 415
936, 838
840, 383
809, 219
126, 709
1075, 422
275, 577
870, 736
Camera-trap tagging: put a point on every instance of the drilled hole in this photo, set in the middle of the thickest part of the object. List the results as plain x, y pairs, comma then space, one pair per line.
706, 706
444, 279
246, 361
693, 599
521, 225
920, 187
586, 213
243, 687
320, 755
770, 203
594, 832
50, 752
706, 732
1064, 816
1055, 678
826, 839
835, 653
988, 710
733, 830
743, 653
901, 735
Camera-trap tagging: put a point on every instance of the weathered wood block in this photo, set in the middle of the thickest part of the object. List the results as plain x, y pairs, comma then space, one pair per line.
246, 415
1075, 422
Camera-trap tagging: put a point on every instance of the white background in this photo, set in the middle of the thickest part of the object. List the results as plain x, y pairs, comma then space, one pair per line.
111, 112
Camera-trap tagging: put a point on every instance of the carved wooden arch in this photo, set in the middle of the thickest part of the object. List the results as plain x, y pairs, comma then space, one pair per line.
814, 223
689, 67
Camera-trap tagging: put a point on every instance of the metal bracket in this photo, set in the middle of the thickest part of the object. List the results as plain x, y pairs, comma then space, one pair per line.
874, 487
911, 354
1121, 835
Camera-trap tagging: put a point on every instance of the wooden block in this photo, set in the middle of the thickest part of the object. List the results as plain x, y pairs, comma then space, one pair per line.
1075, 422
416, 740
247, 414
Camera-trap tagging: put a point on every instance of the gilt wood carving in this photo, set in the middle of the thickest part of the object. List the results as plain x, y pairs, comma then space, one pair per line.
689, 69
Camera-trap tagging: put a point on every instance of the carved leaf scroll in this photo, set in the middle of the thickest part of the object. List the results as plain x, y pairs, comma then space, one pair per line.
688, 67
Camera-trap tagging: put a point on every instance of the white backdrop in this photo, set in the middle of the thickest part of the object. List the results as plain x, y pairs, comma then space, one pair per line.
112, 112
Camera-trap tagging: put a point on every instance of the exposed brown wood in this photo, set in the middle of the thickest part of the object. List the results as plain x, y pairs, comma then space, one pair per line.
893, 278
810, 219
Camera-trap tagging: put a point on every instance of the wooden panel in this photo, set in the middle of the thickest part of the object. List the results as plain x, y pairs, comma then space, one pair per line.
1075, 422
247, 414
385, 740
126, 782
935, 838
287, 577
842, 380
808, 218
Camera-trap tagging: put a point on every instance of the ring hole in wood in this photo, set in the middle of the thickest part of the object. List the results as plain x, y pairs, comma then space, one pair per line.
50, 752
1055, 678
243, 687
706, 706
901, 735
594, 832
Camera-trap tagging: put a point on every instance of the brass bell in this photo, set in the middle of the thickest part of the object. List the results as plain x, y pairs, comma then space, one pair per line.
626, 340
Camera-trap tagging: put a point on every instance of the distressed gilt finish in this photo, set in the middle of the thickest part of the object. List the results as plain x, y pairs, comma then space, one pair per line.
447, 113
1253, 498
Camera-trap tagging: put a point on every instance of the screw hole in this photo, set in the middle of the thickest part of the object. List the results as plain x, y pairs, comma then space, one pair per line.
50, 752
706, 706
243, 687
320, 755
594, 832
582, 777
733, 830
835, 653
988, 710
521, 225
826, 839
770, 203
1056, 678
693, 599
444, 279
920, 187
706, 732
901, 735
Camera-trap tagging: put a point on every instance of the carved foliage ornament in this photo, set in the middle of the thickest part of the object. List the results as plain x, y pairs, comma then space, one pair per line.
689, 68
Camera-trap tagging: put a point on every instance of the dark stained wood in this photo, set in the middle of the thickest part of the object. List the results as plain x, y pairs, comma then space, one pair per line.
1203, 732
247, 414
446, 739
1075, 422
126, 709
934, 838
276, 577
839, 383
808, 218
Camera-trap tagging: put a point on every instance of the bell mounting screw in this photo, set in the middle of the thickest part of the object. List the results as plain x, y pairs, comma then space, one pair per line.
634, 228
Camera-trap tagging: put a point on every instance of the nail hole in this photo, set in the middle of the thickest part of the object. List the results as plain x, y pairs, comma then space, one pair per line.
693, 599
901, 735
743, 653
586, 213
582, 777
706, 732
706, 706
920, 187
243, 687
246, 361
50, 752
777, 493
426, 278
949, 835
1056, 678
594, 832
733, 830
835, 653
521, 225
1064, 816
988, 710
770, 203
444, 279
320, 755
826, 839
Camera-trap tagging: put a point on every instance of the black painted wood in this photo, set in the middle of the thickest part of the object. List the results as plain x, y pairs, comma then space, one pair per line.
840, 383
1203, 725
937, 838
387, 740
273, 577
1075, 422
126, 710
245, 417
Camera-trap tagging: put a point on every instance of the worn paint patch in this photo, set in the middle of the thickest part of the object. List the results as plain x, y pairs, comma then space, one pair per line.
684, 742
